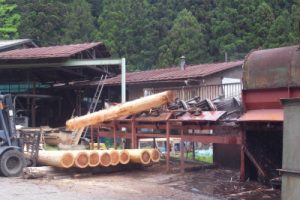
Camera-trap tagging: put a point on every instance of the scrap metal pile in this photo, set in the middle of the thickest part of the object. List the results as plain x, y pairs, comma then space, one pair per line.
196, 106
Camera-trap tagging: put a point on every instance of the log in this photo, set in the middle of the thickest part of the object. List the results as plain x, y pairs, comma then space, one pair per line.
140, 156
125, 109
105, 158
154, 154
115, 157
94, 158
124, 156
37, 172
81, 158
61, 159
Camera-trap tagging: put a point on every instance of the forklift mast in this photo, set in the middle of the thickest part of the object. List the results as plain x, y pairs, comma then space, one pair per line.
12, 160
8, 134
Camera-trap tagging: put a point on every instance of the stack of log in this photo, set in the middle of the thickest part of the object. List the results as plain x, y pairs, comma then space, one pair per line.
97, 158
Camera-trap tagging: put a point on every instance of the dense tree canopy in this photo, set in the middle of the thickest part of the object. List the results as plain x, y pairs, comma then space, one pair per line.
155, 33
184, 37
9, 21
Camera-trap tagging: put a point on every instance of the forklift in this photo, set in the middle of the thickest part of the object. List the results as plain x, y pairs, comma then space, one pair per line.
12, 157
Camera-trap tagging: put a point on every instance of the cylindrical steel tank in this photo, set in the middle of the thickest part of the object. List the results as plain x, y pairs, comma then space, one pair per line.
291, 150
272, 68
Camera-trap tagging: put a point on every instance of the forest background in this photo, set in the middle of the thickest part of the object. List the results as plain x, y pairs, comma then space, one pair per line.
155, 33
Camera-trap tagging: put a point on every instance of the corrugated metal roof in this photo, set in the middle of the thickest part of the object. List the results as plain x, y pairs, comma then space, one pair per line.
5, 44
264, 115
64, 51
174, 73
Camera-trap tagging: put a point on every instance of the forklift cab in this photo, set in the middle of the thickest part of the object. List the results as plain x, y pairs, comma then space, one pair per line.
12, 159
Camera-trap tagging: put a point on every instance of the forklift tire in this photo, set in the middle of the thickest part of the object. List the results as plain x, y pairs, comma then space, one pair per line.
12, 163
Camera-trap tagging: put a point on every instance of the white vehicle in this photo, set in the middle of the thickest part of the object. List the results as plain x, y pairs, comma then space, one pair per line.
160, 143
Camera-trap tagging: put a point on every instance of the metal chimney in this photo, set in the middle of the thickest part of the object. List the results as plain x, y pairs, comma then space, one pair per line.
182, 63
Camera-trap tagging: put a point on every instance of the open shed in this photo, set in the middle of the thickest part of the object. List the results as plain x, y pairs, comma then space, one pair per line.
31, 74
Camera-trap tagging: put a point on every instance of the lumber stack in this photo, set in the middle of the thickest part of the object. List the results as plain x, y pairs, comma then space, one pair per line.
97, 158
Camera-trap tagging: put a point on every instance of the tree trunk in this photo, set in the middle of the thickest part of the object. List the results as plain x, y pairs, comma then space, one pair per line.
155, 155
37, 172
81, 158
63, 159
124, 156
94, 158
105, 158
125, 109
115, 157
141, 156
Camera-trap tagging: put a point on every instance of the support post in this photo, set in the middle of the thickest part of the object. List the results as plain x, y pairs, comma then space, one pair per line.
123, 80
133, 133
242, 166
168, 146
33, 112
92, 137
181, 153
115, 134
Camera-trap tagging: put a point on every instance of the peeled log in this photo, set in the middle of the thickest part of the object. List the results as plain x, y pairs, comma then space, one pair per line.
94, 159
141, 156
115, 157
61, 159
81, 159
124, 156
105, 158
125, 109
155, 155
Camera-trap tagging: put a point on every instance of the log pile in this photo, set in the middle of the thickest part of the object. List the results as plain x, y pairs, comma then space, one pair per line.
97, 158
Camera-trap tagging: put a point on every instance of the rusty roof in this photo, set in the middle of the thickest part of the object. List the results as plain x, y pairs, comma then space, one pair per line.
263, 115
64, 51
173, 73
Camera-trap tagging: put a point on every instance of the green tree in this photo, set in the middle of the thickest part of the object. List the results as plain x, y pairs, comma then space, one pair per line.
9, 20
280, 32
263, 19
125, 27
184, 38
42, 20
79, 23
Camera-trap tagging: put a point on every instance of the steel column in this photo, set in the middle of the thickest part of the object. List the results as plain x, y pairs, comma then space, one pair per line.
181, 153
115, 135
123, 79
242, 166
168, 146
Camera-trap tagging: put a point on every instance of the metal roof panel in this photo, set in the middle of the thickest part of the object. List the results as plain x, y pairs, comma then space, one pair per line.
263, 115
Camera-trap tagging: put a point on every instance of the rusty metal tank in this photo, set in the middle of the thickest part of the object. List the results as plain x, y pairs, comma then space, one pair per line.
272, 68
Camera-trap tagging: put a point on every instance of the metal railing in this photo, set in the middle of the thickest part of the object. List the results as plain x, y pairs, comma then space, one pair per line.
204, 92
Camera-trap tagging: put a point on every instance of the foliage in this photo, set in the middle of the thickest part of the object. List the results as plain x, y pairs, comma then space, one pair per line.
9, 21
79, 23
155, 33
184, 37
42, 20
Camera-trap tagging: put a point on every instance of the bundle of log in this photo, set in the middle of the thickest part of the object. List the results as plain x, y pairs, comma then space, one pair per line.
97, 158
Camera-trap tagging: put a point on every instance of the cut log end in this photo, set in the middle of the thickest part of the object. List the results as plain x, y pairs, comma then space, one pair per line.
94, 159
67, 160
115, 157
124, 157
82, 160
105, 159
155, 155
145, 157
